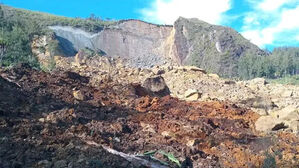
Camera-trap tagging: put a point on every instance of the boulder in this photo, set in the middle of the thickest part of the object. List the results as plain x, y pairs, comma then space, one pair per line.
269, 123
258, 81
259, 103
192, 95
156, 86
60, 164
215, 76
294, 126
80, 58
287, 93
289, 113
229, 82
158, 71
193, 68
78, 95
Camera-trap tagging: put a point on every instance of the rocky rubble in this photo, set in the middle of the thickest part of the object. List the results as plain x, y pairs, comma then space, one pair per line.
192, 83
45, 122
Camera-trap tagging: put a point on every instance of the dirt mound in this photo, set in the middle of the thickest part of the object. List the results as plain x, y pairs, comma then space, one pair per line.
43, 124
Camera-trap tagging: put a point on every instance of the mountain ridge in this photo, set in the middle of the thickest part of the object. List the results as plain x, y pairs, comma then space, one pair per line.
217, 49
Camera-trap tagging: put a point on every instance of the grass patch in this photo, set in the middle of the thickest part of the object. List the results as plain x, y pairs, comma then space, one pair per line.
288, 80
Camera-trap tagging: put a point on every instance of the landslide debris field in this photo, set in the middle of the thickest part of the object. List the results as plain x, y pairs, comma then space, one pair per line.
60, 120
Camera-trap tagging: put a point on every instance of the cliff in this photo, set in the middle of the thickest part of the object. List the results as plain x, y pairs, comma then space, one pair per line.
188, 42
140, 43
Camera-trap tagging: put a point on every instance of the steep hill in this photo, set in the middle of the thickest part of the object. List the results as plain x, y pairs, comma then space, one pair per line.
189, 42
214, 48
217, 49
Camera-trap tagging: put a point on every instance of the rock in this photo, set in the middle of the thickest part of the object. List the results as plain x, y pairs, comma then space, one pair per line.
258, 81
45, 163
269, 123
158, 71
215, 76
80, 58
78, 95
144, 72
169, 68
192, 95
288, 113
259, 103
60, 164
294, 125
260, 111
131, 73
41, 120
156, 86
167, 134
195, 69
287, 93
229, 82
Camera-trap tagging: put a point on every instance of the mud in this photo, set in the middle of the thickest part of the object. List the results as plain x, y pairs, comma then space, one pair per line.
42, 124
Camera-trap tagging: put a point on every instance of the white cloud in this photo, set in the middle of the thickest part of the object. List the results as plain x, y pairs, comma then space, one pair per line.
266, 24
167, 11
271, 5
289, 19
297, 37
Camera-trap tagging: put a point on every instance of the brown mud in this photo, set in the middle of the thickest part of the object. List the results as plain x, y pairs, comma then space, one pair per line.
42, 124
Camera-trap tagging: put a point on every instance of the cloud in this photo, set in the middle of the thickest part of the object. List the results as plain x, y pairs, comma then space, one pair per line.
270, 21
167, 11
271, 5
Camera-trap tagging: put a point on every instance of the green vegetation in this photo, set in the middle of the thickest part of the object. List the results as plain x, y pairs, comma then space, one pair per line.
289, 80
91, 24
18, 27
281, 63
169, 156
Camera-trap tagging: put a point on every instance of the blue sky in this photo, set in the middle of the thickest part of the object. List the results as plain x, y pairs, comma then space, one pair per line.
266, 23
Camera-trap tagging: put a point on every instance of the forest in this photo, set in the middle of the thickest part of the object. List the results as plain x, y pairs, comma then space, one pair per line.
281, 62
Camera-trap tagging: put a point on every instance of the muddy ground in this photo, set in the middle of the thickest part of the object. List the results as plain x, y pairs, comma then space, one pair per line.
42, 124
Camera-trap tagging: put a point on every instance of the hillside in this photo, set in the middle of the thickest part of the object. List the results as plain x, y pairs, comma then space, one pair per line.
131, 94
216, 49
189, 42
19, 27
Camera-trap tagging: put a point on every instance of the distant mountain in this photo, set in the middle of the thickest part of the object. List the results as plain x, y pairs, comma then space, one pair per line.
189, 42
216, 49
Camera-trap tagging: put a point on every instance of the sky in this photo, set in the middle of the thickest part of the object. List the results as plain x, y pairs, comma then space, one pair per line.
266, 23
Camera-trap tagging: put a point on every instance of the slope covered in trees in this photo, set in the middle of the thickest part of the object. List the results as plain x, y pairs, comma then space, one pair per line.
281, 62
18, 27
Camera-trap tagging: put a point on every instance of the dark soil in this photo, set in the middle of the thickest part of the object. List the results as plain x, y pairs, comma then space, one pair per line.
43, 125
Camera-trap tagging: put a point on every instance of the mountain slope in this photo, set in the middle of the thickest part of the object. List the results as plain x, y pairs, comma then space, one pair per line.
188, 42
214, 48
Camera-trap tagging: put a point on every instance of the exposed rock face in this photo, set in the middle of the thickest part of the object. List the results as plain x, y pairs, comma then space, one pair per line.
189, 42
142, 44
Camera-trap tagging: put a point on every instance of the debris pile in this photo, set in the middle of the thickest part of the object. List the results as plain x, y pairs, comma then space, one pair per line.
63, 120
